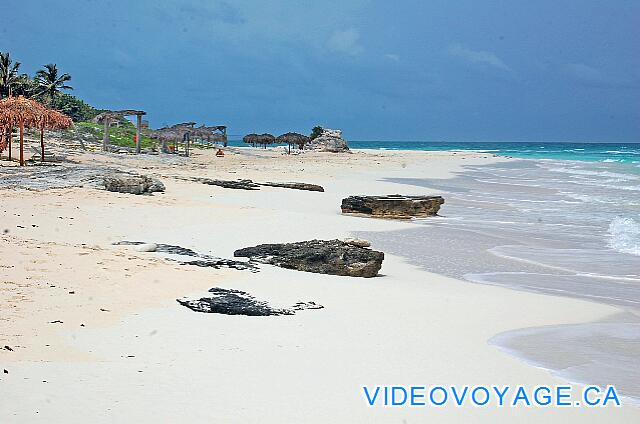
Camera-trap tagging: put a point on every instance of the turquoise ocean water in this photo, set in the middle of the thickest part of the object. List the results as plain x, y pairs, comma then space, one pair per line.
601, 152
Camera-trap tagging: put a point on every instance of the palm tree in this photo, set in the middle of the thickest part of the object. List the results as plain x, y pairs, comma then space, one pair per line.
8, 73
25, 86
50, 83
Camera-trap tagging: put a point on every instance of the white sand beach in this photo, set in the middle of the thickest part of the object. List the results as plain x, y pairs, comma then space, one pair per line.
97, 335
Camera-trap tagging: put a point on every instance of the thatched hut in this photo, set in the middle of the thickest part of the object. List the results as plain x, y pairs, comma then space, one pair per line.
293, 138
24, 113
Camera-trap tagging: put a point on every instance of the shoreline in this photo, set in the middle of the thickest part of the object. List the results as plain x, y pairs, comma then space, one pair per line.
368, 329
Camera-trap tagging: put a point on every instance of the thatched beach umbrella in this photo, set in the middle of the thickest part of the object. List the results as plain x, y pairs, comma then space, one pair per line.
265, 139
250, 139
24, 113
52, 120
173, 134
293, 138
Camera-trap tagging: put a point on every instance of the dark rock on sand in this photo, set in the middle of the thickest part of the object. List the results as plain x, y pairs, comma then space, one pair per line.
133, 184
217, 263
324, 257
296, 186
236, 302
232, 302
300, 306
251, 185
235, 184
202, 260
393, 206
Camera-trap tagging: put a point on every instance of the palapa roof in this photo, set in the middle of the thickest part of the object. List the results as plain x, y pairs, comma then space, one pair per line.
20, 109
54, 120
117, 114
178, 131
34, 114
292, 138
250, 138
259, 138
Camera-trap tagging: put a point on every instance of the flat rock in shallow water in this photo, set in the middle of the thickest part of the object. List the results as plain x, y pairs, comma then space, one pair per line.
236, 302
320, 256
393, 206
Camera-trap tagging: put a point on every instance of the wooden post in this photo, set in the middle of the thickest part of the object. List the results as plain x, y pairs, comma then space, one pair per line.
22, 142
105, 138
42, 143
138, 132
10, 138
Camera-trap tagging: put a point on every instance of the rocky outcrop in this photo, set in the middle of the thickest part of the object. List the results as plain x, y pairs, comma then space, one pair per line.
251, 185
296, 186
236, 302
324, 257
329, 141
393, 206
235, 184
133, 184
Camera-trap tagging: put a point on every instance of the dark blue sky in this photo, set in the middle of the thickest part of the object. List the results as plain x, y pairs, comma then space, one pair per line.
388, 70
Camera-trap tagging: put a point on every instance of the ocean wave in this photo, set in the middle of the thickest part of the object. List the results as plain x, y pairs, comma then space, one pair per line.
586, 198
607, 174
625, 235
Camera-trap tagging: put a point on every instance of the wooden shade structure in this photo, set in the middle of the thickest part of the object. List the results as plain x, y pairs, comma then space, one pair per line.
251, 139
23, 112
263, 139
27, 113
107, 117
293, 138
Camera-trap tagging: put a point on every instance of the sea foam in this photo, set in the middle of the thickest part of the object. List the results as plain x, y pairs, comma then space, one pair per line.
625, 235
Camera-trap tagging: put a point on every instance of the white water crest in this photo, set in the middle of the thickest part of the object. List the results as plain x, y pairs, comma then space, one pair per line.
625, 235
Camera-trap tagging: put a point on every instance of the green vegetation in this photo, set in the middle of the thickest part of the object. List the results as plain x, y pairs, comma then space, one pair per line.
73, 107
46, 87
9, 73
121, 135
50, 82
315, 132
